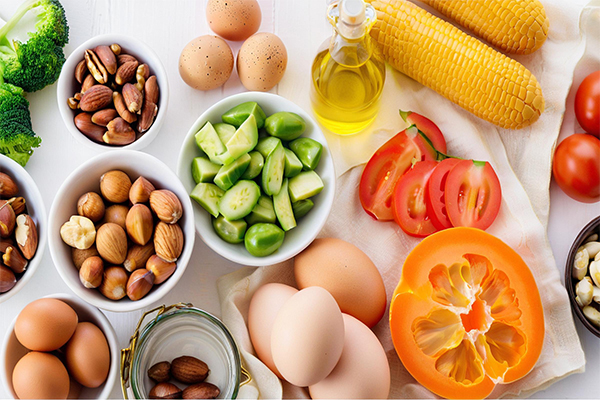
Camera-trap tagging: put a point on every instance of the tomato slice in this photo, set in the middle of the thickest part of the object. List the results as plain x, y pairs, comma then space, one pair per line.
435, 196
473, 194
410, 209
430, 129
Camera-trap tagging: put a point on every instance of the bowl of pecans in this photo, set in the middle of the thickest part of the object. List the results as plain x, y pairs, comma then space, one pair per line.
113, 92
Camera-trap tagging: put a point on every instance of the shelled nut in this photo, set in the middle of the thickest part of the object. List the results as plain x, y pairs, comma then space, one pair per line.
83, 122
166, 206
189, 369
138, 256
7, 219
17, 204
139, 224
202, 390
140, 190
161, 269
81, 70
121, 108
126, 72
119, 133
8, 279
133, 98
165, 390
117, 214
92, 272
14, 260
160, 372
8, 187
139, 284
95, 67
26, 236
168, 241
111, 242
78, 232
103, 117
107, 57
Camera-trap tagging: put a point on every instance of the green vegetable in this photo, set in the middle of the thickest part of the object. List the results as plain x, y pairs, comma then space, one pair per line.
230, 231
36, 63
272, 173
203, 170
302, 207
239, 201
244, 139
256, 165
230, 173
208, 196
266, 145
225, 131
238, 114
209, 142
283, 208
308, 151
293, 166
305, 185
263, 239
263, 211
285, 125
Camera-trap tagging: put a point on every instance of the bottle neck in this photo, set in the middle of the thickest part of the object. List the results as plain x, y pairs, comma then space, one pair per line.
350, 53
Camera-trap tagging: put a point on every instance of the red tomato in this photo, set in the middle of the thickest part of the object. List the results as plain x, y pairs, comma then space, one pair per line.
473, 194
430, 130
434, 194
587, 104
576, 167
410, 209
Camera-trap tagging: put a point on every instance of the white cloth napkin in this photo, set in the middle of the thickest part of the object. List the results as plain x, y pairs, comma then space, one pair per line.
522, 160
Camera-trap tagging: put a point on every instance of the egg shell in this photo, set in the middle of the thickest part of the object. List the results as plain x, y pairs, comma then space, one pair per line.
363, 371
347, 273
261, 61
40, 376
307, 336
264, 307
88, 356
206, 62
233, 19
45, 324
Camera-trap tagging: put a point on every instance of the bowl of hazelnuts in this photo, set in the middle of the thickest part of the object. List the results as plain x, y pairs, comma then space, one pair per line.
122, 230
113, 92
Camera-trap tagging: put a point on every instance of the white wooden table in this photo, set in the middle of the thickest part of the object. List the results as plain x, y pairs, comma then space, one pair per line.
166, 26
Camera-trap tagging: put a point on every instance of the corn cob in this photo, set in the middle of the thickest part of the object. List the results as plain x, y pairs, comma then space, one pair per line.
514, 26
456, 65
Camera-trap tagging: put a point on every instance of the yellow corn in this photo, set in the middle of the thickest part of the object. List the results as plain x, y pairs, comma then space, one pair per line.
514, 26
456, 65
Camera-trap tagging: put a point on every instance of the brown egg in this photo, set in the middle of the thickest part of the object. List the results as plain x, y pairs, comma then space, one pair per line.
206, 62
261, 62
40, 376
45, 324
347, 273
233, 19
88, 355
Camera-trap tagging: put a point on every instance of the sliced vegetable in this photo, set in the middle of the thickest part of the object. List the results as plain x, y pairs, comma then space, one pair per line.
305, 185
302, 207
272, 174
230, 231
285, 125
283, 208
256, 165
208, 140
244, 139
208, 196
230, 173
263, 211
239, 201
435, 194
293, 166
225, 131
266, 145
431, 130
203, 170
308, 151
238, 114
263, 239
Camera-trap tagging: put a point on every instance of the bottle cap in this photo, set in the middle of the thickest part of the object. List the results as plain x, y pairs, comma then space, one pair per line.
352, 18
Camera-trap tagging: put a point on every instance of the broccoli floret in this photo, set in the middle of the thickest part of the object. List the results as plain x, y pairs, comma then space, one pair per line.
17, 138
36, 63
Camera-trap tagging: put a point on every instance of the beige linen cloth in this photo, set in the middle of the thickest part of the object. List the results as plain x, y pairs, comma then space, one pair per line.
522, 160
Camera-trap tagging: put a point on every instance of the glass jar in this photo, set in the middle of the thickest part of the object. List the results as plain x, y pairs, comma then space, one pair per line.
182, 330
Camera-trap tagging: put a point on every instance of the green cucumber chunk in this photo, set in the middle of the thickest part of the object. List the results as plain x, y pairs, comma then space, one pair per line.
285, 125
230, 231
256, 165
308, 151
203, 170
239, 201
266, 145
283, 208
225, 131
230, 173
208, 196
238, 114
244, 139
305, 185
263, 211
263, 239
272, 173
302, 207
293, 166
208, 140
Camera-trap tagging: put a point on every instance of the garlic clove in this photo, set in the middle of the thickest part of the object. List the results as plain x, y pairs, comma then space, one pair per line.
592, 248
580, 265
584, 290
592, 315
78, 232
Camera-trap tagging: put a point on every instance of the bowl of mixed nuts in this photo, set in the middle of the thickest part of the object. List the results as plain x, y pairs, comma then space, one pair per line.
113, 92
122, 230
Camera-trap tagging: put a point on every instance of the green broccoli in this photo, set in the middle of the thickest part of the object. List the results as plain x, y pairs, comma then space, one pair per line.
17, 138
36, 63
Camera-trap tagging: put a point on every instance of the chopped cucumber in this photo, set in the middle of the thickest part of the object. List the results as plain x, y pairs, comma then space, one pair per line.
263, 239
256, 165
305, 185
208, 195
225, 131
266, 145
229, 174
203, 170
244, 139
293, 166
208, 140
272, 173
238, 114
263, 211
283, 208
302, 207
308, 151
285, 125
239, 201
230, 231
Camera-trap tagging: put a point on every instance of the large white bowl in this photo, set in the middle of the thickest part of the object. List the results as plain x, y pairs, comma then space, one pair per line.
67, 86
13, 350
308, 227
87, 178
35, 209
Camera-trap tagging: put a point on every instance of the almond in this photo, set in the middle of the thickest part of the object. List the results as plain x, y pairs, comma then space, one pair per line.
119, 133
7, 279
139, 224
138, 256
140, 190
151, 90
161, 269
96, 98
149, 112
103, 117
115, 186
160, 372
133, 98
92, 272
111, 242
88, 82
168, 241
189, 369
8, 187
95, 66
123, 58
165, 390
81, 70
126, 72
121, 108
83, 122
139, 284
166, 206
7, 219
26, 236
107, 57
203, 390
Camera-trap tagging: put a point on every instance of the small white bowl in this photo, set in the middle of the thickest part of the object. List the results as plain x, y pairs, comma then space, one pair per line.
308, 227
67, 86
36, 209
13, 350
87, 178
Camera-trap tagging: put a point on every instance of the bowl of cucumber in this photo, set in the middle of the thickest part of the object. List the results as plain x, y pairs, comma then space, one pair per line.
261, 175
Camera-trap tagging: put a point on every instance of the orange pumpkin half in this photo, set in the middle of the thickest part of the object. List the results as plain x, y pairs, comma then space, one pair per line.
466, 314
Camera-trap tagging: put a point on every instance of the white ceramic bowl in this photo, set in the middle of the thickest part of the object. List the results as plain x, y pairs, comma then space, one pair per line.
87, 178
36, 209
308, 227
67, 86
13, 350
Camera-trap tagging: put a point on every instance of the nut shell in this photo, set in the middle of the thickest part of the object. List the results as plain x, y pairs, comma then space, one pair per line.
90, 205
138, 256
189, 369
161, 269
168, 241
111, 242
166, 206
139, 224
117, 214
92, 272
139, 284
114, 283
115, 186
79, 256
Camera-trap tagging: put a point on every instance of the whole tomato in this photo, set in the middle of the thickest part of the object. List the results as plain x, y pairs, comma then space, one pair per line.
587, 104
576, 167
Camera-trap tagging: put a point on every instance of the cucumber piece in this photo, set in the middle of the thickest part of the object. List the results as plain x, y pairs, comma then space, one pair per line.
229, 174
302, 207
208, 140
285, 125
230, 231
304, 185
239, 201
208, 195
225, 131
238, 114
272, 173
308, 151
263, 211
203, 170
244, 139
256, 165
263, 239
283, 208
293, 166
266, 145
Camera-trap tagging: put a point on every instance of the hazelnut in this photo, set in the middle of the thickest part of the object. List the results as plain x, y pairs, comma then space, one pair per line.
111, 242
79, 256
161, 269
90, 205
7, 219
114, 283
78, 232
139, 224
117, 214
115, 186
137, 256
140, 190
139, 284
168, 241
166, 206
92, 272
